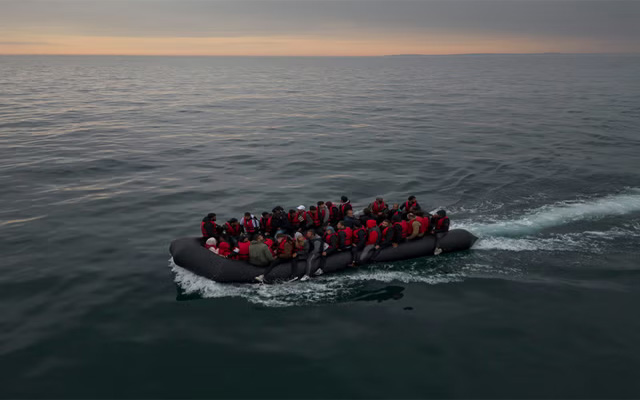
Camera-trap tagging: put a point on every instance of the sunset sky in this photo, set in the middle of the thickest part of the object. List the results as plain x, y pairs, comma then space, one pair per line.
317, 27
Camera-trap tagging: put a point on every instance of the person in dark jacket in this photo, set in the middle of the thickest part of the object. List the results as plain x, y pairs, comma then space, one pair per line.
387, 234
334, 213
440, 222
345, 205
349, 220
397, 231
411, 205
280, 222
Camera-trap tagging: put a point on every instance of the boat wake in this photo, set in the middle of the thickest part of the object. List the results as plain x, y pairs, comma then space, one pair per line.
521, 233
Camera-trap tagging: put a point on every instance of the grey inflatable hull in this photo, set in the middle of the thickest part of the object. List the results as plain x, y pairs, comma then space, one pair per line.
189, 253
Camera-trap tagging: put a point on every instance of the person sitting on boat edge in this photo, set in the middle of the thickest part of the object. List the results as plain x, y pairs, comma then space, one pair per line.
284, 254
358, 242
315, 249
242, 250
345, 236
212, 245
259, 252
414, 227
440, 222
224, 246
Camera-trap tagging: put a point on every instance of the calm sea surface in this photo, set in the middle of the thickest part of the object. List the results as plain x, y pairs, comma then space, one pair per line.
105, 160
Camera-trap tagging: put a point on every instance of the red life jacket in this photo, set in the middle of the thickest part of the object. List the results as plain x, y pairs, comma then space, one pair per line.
224, 249
231, 230
407, 229
384, 232
243, 253
266, 224
377, 208
355, 239
348, 236
328, 236
203, 230
299, 246
407, 206
424, 224
374, 235
282, 244
440, 222
269, 244
343, 209
249, 226
315, 217
292, 219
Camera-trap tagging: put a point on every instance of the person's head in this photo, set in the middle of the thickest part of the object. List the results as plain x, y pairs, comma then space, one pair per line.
313, 208
233, 221
280, 237
212, 242
379, 199
265, 214
357, 224
292, 211
410, 216
349, 213
299, 236
396, 206
329, 204
341, 225
244, 238
310, 233
441, 213
412, 199
259, 238
247, 214
300, 208
385, 223
367, 211
344, 199
320, 204
211, 216
330, 229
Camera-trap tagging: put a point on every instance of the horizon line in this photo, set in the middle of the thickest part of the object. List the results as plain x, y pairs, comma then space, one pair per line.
314, 56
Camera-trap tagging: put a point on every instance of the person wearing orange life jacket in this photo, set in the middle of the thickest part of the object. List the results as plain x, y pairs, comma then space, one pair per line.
411, 205
345, 236
284, 254
425, 224
243, 249
334, 213
314, 218
208, 226
250, 225
300, 218
378, 208
345, 205
358, 242
331, 238
293, 221
415, 226
440, 222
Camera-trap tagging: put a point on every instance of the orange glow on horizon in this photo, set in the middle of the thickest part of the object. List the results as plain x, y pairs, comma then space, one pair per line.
287, 45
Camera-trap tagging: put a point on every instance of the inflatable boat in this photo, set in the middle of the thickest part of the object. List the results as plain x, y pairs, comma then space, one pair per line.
189, 253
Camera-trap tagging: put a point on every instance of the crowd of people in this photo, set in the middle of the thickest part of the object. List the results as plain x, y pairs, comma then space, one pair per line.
302, 235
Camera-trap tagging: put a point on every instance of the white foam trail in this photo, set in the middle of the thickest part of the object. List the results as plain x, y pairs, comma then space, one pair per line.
558, 214
325, 289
